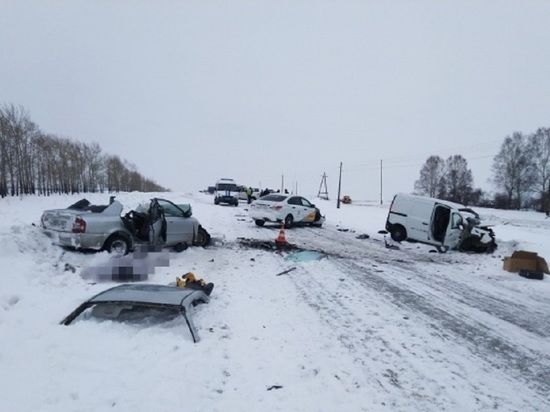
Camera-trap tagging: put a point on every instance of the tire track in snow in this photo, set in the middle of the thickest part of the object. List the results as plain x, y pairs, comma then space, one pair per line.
438, 299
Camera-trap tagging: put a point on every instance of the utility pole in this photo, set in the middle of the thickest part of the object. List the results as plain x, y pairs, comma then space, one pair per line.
282, 183
380, 181
339, 187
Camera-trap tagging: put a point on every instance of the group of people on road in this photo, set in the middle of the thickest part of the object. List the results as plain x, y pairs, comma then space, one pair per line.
249, 192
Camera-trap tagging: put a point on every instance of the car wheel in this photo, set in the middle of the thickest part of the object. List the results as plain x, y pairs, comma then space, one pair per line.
289, 221
118, 245
203, 238
398, 233
216, 201
259, 222
180, 247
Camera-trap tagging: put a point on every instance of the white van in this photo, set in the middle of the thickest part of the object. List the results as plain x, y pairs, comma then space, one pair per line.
426, 220
227, 191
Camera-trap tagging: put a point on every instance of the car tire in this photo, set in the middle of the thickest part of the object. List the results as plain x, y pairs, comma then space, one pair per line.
180, 247
259, 222
398, 233
289, 221
203, 238
117, 245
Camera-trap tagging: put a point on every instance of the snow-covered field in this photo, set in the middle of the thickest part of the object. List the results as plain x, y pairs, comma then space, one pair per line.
365, 329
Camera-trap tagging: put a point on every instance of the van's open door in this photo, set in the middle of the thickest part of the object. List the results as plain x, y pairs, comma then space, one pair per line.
454, 231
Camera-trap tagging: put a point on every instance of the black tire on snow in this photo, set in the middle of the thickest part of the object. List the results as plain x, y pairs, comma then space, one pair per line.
289, 221
259, 222
203, 237
398, 233
117, 244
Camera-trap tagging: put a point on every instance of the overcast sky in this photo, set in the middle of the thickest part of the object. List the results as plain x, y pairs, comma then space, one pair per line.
191, 91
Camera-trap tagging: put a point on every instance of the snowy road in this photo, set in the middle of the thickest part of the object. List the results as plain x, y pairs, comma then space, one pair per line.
365, 329
434, 332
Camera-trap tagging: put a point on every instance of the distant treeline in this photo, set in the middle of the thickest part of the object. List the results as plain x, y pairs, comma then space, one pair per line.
34, 162
521, 175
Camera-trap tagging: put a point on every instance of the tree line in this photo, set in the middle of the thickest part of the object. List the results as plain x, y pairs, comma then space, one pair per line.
520, 175
35, 162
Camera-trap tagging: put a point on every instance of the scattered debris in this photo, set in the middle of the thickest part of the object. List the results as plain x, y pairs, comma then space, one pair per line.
284, 272
306, 256
266, 245
522, 260
390, 245
274, 387
530, 274
69, 268
189, 280
363, 236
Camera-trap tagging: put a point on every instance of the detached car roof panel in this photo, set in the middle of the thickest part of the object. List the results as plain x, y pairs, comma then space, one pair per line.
147, 293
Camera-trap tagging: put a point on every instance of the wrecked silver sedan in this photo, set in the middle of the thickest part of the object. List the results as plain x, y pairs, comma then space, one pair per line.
138, 303
102, 227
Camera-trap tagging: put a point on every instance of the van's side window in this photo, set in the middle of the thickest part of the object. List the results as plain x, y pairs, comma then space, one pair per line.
456, 221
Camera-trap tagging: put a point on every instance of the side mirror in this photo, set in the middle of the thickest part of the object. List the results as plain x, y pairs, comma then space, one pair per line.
312, 205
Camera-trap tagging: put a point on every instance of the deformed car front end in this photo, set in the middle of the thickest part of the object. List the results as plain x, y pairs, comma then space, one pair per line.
476, 237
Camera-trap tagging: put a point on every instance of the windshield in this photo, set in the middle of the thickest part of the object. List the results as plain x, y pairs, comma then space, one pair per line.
226, 186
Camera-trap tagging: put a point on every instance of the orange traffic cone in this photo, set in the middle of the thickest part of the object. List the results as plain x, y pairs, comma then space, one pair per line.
281, 239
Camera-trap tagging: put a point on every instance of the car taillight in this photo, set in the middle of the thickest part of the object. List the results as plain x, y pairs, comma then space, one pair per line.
278, 207
79, 225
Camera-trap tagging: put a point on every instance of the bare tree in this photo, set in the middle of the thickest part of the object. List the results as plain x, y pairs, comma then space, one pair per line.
17, 132
513, 170
539, 153
432, 178
458, 180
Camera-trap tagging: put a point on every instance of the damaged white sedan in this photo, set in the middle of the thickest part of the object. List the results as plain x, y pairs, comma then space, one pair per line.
288, 209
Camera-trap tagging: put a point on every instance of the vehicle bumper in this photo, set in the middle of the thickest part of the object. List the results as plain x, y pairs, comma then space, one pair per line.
266, 216
227, 199
75, 240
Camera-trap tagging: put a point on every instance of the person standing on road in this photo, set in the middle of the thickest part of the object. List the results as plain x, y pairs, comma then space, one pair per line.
249, 192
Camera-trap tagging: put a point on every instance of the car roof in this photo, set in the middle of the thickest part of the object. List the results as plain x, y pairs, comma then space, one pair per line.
274, 197
149, 293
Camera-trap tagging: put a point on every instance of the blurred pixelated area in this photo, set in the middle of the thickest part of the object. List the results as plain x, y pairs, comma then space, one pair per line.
133, 267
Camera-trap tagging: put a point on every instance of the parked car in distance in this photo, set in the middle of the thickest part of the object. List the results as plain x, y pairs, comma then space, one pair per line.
158, 222
445, 225
142, 303
288, 209
227, 191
